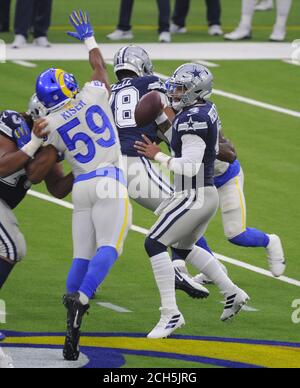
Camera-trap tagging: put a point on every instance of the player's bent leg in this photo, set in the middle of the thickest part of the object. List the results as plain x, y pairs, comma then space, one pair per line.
76, 274
235, 298
233, 207
183, 280
171, 318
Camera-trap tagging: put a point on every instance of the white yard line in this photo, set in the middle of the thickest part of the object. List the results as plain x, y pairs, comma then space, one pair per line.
291, 62
144, 231
207, 63
113, 307
25, 64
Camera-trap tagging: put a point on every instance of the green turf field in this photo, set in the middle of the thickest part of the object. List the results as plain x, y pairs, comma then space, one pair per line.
267, 144
145, 16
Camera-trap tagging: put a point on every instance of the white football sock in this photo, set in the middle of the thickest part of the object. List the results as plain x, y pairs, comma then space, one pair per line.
283, 10
210, 267
248, 9
165, 279
83, 298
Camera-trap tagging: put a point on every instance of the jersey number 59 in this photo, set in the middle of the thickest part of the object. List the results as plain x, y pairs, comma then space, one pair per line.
71, 142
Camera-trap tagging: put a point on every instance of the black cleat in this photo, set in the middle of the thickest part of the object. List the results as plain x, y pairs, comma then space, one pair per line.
187, 284
76, 311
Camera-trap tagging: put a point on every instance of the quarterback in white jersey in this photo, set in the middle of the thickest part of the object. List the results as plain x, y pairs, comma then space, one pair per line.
80, 125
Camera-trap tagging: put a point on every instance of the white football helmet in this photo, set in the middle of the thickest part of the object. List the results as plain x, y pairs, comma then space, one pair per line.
36, 109
135, 59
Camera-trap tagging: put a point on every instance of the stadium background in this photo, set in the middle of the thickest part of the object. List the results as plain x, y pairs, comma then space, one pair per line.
267, 144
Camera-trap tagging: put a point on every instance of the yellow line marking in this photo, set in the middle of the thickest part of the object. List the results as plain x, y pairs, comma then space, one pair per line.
262, 355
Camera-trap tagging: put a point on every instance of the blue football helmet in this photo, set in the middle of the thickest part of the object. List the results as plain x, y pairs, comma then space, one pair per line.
55, 88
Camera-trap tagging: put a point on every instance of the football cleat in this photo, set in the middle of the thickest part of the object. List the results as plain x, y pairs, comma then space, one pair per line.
165, 37
169, 322
19, 42
76, 311
234, 302
264, 5
241, 33
42, 42
278, 34
186, 283
2, 337
120, 35
204, 280
174, 29
6, 362
215, 30
276, 256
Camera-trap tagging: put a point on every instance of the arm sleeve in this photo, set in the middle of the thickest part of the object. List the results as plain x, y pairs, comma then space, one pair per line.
193, 149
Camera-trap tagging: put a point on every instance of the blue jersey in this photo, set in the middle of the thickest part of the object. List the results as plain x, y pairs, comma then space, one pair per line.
125, 97
202, 121
14, 187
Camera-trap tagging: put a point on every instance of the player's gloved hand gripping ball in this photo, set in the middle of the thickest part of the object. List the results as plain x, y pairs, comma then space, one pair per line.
81, 22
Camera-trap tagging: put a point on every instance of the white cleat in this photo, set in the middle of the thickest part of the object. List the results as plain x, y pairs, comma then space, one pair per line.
215, 30
234, 302
6, 362
264, 5
204, 280
120, 35
42, 42
174, 29
241, 33
276, 256
165, 37
19, 42
169, 322
278, 34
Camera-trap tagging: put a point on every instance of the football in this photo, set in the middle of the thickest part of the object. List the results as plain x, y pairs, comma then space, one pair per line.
148, 109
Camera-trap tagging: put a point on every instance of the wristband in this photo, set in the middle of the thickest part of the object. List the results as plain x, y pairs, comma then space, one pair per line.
161, 119
163, 159
31, 148
91, 43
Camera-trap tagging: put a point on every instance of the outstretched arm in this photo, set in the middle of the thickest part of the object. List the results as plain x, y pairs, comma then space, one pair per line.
58, 184
85, 33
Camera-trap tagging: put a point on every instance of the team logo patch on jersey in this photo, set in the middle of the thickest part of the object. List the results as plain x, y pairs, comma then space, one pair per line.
109, 350
192, 126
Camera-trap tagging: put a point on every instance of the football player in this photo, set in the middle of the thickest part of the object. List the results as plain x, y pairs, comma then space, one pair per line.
80, 124
147, 185
17, 172
194, 143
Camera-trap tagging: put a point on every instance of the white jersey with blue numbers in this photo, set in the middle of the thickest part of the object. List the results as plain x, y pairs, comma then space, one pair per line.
85, 132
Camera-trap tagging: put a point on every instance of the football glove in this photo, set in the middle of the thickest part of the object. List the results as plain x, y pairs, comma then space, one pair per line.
22, 135
81, 22
158, 86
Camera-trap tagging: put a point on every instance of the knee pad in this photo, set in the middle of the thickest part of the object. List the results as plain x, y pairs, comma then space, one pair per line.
154, 247
232, 229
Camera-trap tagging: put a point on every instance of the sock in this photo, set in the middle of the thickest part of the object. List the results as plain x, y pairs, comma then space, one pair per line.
83, 298
202, 243
165, 279
5, 270
210, 267
76, 275
283, 10
251, 238
248, 9
99, 268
